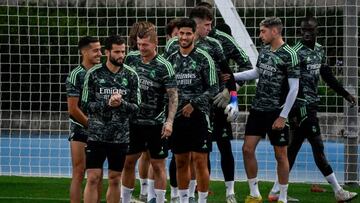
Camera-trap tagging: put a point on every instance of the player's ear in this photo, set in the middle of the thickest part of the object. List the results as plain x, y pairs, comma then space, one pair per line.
107, 52
82, 51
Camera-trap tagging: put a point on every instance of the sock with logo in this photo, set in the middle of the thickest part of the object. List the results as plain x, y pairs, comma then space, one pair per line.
333, 182
254, 188
143, 186
229, 188
184, 196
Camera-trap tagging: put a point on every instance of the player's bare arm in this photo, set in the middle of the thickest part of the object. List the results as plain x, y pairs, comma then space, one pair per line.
75, 111
173, 104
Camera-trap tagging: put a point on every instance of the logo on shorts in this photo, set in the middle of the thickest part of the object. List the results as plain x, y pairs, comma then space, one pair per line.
314, 129
161, 152
282, 139
204, 146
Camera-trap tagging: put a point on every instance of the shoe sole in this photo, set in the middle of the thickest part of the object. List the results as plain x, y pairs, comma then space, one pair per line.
275, 199
348, 199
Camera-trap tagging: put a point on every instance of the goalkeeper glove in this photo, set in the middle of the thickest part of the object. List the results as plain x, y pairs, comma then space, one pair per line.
222, 99
232, 109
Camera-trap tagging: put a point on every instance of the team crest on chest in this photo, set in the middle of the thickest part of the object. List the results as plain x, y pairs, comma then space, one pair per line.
102, 81
124, 82
193, 65
152, 74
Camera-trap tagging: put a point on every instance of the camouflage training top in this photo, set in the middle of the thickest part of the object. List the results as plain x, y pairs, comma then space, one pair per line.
74, 87
210, 45
155, 77
231, 49
274, 67
196, 79
310, 63
108, 124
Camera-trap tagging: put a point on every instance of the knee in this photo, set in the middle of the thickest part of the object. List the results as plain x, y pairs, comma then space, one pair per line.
114, 181
248, 151
281, 157
157, 167
200, 161
93, 179
182, 163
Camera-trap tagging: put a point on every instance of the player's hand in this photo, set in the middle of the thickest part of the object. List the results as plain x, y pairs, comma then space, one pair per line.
232, 109
222, 99
225, 77
115, 100
279, 123
166, 130
351, 99
187, 110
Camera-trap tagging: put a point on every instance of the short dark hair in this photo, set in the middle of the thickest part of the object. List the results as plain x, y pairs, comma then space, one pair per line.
271, 22
187, 22
310, 19
113, 39
201, 12
171, 25
85, 41
205, 4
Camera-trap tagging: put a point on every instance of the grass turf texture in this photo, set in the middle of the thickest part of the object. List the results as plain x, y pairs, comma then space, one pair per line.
37, 189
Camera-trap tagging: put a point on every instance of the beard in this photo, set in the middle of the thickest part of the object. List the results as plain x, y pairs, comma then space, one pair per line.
116, 62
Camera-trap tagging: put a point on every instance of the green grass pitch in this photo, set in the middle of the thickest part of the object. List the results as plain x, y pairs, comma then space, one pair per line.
40, 190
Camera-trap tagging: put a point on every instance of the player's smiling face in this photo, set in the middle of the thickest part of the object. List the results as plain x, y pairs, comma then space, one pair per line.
92, 53
186, 37
116, 55
146, 46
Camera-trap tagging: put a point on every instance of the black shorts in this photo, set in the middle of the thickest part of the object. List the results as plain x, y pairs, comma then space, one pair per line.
148, 137
97, 152
305, 121
79, 137
259, 123
222, 129
191, 134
